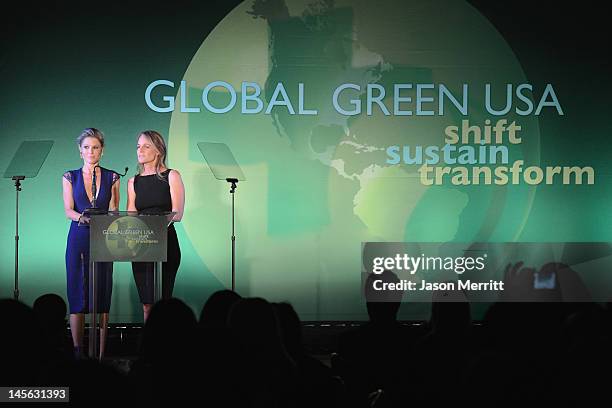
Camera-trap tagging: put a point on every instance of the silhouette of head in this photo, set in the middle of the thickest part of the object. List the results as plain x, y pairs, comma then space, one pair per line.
18, 351
50, 310
216, 309
382, 304
169, 331
256, 325
450, 311
450, 316
291, 327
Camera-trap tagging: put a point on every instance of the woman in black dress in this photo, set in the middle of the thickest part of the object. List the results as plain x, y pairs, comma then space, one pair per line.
156, 189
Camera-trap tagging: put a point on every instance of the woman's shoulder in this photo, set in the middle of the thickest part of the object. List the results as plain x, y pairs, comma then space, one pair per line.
104, 170
173, 175
109, 171
109, 175
71, 174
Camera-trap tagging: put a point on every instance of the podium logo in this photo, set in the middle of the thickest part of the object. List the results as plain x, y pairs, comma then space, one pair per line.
128, 237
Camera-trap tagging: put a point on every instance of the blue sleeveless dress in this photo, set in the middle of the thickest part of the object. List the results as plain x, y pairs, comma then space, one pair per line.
77, 247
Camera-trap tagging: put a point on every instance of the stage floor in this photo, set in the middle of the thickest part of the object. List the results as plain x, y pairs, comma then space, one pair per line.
319, 338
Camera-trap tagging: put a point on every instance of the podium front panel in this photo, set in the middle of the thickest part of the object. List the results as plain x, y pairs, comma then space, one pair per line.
128, 238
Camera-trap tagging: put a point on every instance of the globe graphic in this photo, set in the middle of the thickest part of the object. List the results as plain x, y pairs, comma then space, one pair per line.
318, 185
125, 246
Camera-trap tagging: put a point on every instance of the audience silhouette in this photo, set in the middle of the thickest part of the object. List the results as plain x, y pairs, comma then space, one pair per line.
248, 352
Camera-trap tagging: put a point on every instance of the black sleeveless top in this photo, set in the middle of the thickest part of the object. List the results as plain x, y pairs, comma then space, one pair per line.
153, 194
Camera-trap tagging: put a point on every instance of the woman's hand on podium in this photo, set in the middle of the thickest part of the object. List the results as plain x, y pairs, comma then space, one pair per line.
83, 219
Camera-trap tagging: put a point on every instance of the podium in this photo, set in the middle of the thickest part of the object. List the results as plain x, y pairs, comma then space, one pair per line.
124, 236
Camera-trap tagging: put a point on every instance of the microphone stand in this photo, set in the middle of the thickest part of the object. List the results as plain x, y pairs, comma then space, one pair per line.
93, 284
93, 288
94, 189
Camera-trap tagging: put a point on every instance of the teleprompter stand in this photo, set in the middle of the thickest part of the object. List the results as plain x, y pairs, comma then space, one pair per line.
224, 167
26, 163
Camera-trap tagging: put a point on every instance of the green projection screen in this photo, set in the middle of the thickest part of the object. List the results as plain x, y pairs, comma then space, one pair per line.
353, 122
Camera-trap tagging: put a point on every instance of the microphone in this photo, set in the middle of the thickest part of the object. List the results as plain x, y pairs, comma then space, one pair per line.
93, 186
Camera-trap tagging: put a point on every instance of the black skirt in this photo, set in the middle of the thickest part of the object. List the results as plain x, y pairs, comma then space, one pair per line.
144, 271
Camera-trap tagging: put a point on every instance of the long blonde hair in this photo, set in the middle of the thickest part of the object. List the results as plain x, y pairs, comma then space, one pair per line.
158, 141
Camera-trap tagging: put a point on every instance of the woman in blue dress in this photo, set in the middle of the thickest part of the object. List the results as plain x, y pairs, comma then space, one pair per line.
78, 196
